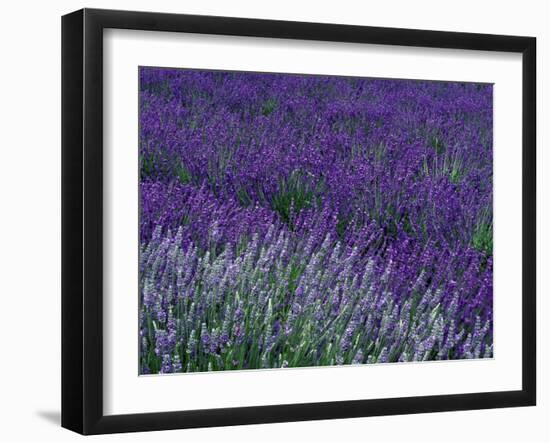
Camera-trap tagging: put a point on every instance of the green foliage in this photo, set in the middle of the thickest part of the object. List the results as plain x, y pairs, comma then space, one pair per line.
454, 175
436, 143
269, 106
342, 225
482, 239
449, 164
380, 152
146, 165
243, 197
295, 193
183, 174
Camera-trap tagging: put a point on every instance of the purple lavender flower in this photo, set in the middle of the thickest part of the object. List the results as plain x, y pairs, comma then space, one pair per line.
290, 220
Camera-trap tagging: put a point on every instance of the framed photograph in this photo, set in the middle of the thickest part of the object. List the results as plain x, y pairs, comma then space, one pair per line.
268, 221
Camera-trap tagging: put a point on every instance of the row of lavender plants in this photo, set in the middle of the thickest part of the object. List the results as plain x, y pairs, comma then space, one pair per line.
291, 220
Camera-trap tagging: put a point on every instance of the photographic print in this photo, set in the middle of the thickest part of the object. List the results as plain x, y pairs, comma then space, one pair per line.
291, 220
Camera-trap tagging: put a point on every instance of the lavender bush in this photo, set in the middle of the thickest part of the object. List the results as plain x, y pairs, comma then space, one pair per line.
291, 220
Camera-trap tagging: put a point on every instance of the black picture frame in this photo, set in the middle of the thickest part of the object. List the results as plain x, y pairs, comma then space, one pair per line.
82, 215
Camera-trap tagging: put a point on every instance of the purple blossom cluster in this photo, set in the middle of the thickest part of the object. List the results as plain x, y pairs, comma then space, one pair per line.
292, 220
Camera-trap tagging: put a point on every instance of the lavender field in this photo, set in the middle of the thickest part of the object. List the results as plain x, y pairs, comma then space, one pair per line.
292, 221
